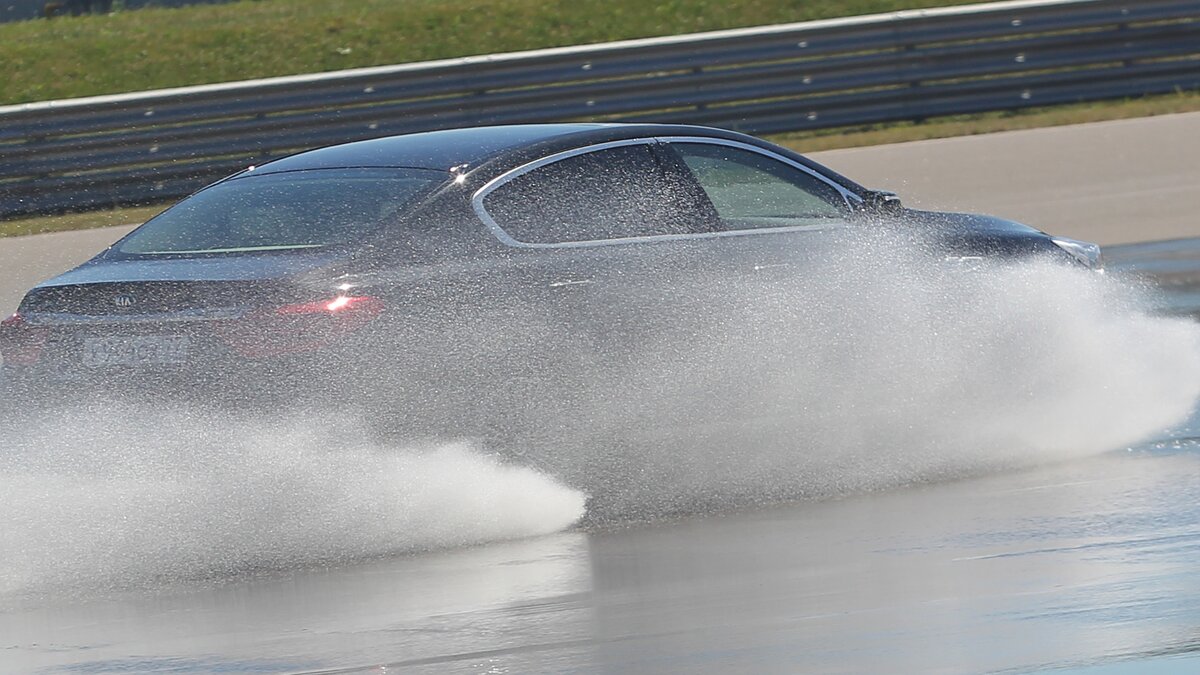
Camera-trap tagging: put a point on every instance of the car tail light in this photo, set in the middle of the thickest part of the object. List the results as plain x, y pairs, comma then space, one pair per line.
298, 327
20, 343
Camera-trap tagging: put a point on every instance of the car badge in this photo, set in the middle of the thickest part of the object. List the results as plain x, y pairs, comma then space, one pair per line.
124, 300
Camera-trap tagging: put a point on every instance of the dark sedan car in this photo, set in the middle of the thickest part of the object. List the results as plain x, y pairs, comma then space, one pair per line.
453, 270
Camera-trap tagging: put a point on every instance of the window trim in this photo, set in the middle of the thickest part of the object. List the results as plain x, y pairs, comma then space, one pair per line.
851, 199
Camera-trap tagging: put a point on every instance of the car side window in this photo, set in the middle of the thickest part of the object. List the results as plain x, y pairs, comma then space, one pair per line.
612, 193
751, 190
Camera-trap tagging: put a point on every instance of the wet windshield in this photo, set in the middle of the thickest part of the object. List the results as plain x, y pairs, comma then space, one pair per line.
283, 211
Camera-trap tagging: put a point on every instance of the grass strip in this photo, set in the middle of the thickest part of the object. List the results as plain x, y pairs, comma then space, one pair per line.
153, 48
77, 221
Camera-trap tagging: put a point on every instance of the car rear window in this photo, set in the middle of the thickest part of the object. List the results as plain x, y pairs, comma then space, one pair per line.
282, 211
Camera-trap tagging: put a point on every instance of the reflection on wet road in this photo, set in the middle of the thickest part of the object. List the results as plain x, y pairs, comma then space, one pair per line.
1076, 564
1087, 565
1172, 265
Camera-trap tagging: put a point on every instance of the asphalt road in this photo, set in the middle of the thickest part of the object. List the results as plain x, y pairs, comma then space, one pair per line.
1087, 567
1110, 182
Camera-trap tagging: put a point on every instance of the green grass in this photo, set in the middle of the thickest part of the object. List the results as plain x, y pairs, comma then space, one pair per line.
153, 48
77, 221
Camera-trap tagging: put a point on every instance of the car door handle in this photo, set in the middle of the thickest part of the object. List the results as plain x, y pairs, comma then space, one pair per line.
569, 282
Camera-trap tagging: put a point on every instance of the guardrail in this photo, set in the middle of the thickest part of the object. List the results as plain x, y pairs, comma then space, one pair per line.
25, 10
157, 145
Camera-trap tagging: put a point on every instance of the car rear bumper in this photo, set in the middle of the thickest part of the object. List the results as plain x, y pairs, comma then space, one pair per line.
241, 385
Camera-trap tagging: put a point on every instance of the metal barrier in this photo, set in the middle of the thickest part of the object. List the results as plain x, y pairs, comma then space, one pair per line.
25, 10
142, 147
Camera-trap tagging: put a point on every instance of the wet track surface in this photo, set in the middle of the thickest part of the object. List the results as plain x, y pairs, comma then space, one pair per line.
1085, 566
1069, 566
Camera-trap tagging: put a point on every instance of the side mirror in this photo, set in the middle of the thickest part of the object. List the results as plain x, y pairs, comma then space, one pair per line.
881, 201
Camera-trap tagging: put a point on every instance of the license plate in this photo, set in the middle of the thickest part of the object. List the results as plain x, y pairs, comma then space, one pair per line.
131, 350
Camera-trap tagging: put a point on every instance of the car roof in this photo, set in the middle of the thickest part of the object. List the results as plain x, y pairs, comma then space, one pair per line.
439, 150
484, 152
448, 148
